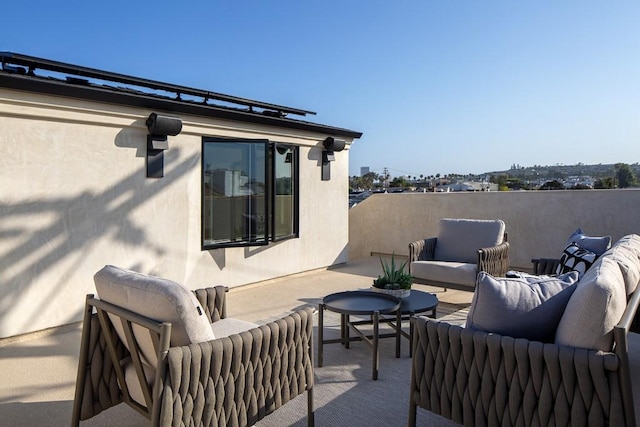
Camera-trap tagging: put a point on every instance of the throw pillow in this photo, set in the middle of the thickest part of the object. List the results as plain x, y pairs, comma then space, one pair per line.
524, 307
575, 258
597, 245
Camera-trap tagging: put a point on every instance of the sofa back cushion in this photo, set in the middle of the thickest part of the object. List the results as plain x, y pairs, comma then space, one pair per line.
526, 306
596, 306
627, 254
159, 299
460, 239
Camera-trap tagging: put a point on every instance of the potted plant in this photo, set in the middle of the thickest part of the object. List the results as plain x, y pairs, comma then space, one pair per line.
394, 279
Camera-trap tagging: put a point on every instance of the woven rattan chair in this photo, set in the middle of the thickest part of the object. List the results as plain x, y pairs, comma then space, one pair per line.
462, 249
245, 373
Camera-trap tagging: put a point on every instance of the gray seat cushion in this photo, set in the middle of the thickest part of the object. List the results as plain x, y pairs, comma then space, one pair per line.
230, 326
459, 273
460, 239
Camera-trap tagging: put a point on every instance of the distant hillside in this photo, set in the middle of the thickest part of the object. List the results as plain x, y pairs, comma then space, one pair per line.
559, 171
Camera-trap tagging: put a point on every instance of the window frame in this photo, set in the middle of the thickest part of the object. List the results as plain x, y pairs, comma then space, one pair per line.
295, 170
270, 191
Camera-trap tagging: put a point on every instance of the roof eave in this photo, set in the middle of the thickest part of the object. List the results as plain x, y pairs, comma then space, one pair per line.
100, 94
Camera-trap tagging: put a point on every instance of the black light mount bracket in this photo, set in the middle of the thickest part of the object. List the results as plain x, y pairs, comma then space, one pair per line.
159, 128
331, 145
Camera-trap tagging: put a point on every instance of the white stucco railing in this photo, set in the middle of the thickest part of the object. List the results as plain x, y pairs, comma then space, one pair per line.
538, 222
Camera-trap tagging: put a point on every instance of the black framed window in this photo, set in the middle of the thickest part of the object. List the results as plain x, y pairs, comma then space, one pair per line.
249, 192
285, 202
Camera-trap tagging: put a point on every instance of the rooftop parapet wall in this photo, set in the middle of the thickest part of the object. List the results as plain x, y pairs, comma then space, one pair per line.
538, 222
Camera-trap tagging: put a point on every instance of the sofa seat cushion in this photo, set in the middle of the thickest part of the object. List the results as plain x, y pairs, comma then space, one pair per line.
159, 299
595, 307
460, 273
521, 307
230, 326
460, 239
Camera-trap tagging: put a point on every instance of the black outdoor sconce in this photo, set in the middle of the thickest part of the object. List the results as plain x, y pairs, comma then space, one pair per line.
159, 128
331, 145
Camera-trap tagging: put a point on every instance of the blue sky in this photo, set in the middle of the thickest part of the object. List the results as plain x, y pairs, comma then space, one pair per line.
443, 86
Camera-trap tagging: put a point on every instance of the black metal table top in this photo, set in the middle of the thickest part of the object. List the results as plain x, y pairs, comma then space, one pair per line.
418, 302
361, 302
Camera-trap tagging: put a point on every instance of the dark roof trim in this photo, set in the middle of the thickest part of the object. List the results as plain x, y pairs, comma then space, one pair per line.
16, 77
12, 60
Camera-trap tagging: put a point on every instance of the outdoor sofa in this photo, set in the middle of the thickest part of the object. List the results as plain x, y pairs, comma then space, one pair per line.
580, 377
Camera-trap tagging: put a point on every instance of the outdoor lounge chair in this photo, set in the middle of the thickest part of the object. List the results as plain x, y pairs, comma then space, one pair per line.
180, 361
462, 249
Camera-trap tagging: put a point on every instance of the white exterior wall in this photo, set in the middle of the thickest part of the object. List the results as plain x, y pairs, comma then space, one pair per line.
74, 196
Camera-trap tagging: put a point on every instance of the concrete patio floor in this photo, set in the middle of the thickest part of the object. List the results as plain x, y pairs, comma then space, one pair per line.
38, 371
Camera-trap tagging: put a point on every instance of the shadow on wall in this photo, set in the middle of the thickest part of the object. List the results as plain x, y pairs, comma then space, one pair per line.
37, 236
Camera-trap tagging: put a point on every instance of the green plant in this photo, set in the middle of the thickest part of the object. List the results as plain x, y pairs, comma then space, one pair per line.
393, 277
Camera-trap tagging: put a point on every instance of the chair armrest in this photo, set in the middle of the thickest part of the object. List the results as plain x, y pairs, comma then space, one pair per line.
251, 374
473, 377
494, 260
97, 387
213, 300
422, 250
621, 331
545, 266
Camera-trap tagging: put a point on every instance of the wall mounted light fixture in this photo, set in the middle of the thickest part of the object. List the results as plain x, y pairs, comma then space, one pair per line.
159, 128
331, 145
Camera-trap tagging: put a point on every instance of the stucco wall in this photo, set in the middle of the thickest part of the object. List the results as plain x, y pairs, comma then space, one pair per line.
538, 222
74, 196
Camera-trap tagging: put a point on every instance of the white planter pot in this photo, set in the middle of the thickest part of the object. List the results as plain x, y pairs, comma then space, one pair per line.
398, 293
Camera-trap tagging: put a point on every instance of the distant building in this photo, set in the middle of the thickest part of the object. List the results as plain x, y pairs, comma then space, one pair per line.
364, 170
468, 186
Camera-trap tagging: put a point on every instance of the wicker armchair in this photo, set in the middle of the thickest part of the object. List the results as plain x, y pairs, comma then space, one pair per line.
463, 248
233, 380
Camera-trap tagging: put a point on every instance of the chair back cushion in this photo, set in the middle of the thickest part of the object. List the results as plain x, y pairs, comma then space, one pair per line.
159, 299
460, 239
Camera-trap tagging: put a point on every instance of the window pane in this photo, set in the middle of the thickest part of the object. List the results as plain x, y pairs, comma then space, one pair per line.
234, 192
285, 204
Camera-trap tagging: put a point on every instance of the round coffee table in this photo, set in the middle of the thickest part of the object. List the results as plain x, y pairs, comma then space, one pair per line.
358, 303
416, 303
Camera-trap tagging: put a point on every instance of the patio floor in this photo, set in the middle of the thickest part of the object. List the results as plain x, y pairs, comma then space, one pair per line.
37, 372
